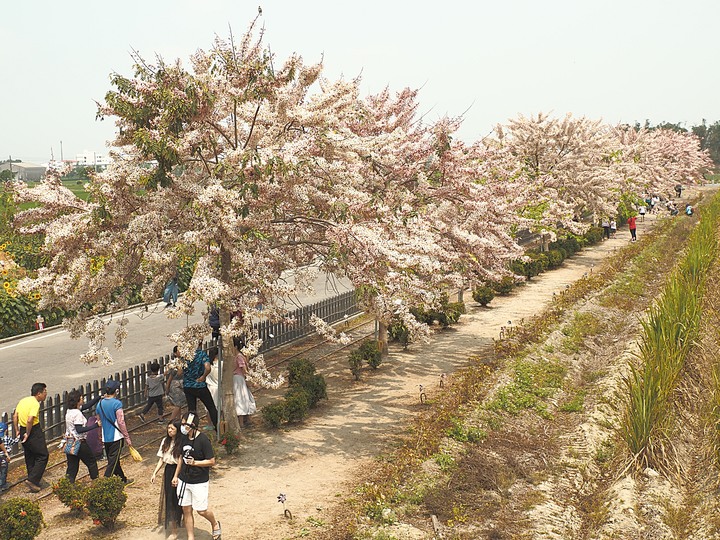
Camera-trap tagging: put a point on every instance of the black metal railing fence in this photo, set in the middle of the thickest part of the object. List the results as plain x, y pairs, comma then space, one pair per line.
132, 380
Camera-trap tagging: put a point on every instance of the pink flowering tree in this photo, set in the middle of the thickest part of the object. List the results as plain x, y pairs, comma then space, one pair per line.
576, 170
655, 160
566, 163
257, 170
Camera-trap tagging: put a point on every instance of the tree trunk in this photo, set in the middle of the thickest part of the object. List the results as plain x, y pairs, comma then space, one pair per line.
382, 338
227, 418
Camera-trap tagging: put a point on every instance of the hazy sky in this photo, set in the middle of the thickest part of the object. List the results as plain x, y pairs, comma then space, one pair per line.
616, 60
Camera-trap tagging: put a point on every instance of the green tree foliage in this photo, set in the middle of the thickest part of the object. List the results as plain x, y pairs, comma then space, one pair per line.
709, 136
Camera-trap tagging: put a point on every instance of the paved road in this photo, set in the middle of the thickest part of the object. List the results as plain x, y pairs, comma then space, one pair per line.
52, 356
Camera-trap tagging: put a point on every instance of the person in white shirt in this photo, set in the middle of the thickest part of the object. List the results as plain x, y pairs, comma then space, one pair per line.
76, 429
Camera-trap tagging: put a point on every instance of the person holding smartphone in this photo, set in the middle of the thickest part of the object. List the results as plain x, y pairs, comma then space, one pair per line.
192, 476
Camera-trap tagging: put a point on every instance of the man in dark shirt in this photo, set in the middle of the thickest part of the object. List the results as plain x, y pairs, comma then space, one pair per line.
192, 477
194, 374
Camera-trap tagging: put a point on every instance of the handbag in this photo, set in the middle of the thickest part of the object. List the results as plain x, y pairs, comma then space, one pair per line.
72, 446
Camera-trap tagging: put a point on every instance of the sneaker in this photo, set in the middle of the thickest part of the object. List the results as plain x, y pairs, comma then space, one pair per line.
141, 416
32, 487
168, 305
129, 482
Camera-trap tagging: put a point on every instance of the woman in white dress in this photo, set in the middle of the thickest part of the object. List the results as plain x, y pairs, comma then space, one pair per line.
244, 400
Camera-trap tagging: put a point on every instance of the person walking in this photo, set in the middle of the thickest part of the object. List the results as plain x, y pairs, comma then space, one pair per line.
174, 388
605, 224
114, 430
170, 294
26, 420
76, 429
214, 322
169, 512
632, 225
192, 477
244, 400
642, 210
613, 228
194, 385
154, 391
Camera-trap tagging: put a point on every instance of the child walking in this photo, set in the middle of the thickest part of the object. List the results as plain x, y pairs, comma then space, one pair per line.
4, 457
155, 391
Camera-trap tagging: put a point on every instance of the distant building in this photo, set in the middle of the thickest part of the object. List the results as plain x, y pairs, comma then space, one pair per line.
92, 159
24, 171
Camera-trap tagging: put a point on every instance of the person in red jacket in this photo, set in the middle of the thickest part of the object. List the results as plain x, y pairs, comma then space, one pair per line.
633, 227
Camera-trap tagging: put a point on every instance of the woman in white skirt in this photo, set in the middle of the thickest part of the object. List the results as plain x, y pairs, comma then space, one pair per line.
244, 400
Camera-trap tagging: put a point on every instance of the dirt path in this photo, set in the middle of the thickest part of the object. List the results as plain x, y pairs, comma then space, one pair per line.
314, 463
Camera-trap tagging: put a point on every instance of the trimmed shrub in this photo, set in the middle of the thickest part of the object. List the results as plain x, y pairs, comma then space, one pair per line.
504, 286
301, 374
316, 389
356, 361
297, 404
371, 353
594, 235
483, 294
275, 414
527, 268
555, 258
570, 244
422, 315
299, 370
451, 313
399, 332
306, 389
20, 519
105, 498
71, 494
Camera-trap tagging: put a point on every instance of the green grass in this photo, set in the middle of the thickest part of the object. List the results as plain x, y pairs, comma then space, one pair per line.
578, 330
533, 382
445, 461
461, 433
575, 404
77, 187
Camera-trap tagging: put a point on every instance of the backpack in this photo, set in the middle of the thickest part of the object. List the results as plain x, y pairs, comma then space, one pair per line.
94, 438
689, 211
